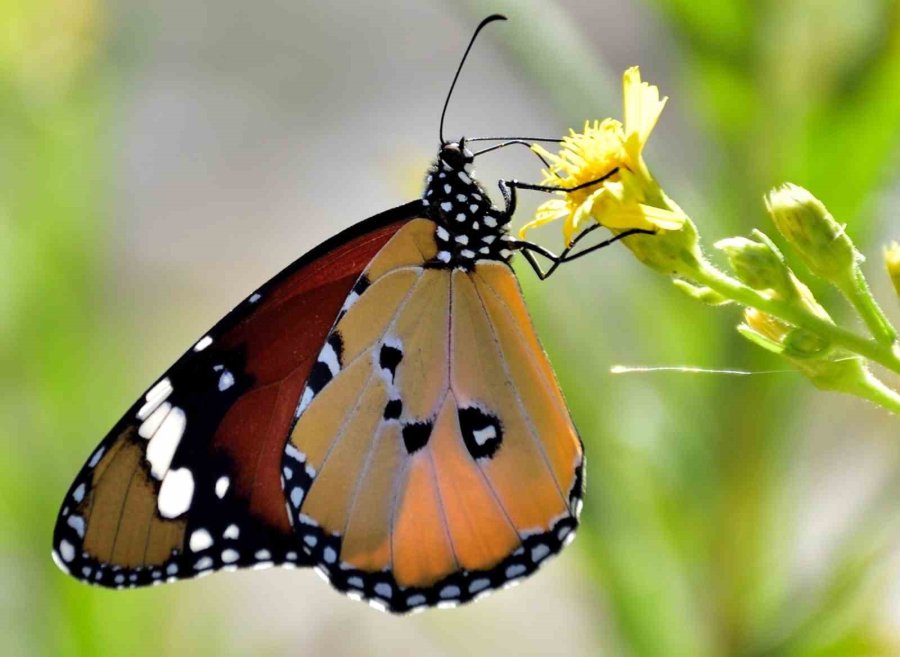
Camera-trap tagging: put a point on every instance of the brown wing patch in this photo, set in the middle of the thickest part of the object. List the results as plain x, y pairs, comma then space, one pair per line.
120, 511
427, 467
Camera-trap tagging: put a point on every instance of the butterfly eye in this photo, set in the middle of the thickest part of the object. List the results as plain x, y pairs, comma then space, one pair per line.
456, 156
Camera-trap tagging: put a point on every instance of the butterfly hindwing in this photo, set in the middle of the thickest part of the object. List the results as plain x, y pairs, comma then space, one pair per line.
187, 481
435, 460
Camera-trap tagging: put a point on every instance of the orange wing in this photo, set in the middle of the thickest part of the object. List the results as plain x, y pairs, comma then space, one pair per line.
433, 458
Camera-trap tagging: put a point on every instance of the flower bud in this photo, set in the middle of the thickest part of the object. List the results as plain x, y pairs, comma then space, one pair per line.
764, 330
808, 226
670, 252
892, 262
758, 263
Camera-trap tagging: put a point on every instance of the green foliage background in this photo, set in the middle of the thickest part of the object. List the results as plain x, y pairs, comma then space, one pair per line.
691, 520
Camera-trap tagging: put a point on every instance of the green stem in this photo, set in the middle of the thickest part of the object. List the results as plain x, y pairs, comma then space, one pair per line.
876, 391
856, 289
728, 287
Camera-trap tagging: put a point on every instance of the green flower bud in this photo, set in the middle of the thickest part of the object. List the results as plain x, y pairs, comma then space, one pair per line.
670, 252
758, 263
892, 262
808, 226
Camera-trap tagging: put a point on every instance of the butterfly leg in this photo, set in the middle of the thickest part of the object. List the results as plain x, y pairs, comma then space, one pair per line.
515, 184
508, 189
529, 249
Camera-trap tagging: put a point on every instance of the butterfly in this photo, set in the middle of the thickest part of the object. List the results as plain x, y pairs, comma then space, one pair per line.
381, 410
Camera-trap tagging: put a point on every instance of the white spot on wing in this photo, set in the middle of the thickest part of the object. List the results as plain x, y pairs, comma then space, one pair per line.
230, 556
95, 459
231, 532
151, 424
76, 523
154, 397
78, 493
539, 552
162, 446
203, 343
481, 436
226, 380
175, 493
515, 570
450, 592
222, 484
350, 300
330, 358
479, 585
304, 401
297, 496
66, 550
200, 540
203, 563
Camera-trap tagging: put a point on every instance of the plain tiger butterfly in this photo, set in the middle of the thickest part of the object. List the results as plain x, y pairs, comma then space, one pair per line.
380, 410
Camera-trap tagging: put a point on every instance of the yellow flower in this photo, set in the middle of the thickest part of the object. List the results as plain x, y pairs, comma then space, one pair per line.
630, 198
892, 262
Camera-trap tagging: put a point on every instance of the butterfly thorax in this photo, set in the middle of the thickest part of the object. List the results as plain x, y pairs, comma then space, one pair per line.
469, 227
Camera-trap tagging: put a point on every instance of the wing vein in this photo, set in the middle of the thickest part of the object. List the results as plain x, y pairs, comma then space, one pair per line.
341, 431
532, 429
477, 465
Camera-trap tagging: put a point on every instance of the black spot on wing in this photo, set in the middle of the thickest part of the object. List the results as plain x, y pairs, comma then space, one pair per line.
389, 358
393, 409
336, 342
361, 285
481, 431
327, 364
416, 435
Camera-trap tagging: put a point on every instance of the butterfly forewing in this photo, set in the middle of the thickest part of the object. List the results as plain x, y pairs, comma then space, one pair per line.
435, 459
188, 481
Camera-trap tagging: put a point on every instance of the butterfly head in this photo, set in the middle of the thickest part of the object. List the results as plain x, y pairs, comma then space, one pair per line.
456, 156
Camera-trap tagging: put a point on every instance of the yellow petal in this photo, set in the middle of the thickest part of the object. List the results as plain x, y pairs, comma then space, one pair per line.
643, 106
546, 213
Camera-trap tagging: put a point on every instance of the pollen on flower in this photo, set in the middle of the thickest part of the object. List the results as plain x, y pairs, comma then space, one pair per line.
629, 197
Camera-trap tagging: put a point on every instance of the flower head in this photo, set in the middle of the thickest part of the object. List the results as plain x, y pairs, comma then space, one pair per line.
629, 198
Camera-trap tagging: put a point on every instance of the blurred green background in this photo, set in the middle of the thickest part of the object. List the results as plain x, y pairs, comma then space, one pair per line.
159, 160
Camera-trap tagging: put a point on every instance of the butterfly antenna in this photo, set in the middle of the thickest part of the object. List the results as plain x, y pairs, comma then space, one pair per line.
481, 25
